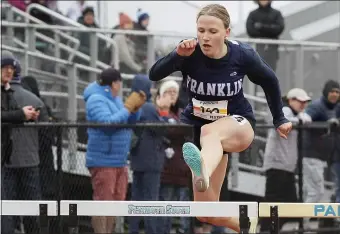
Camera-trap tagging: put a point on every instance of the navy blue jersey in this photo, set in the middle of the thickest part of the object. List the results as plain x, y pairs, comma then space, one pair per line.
215, 85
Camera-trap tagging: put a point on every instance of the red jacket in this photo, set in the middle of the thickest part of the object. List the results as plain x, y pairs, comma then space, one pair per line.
176, 171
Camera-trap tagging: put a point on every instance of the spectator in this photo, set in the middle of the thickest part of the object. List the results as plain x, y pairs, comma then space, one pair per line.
21, 174
10, 113
266, 22
107, 148
281, 155
141, 42
176, 176
76, 9
127, 48
318, 145
86, 19
20, 4
147, 158
46, 141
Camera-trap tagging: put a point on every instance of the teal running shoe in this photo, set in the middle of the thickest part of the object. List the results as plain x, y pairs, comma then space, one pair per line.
192, 157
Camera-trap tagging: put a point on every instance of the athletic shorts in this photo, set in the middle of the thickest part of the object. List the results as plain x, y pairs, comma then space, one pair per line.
197, 128
109, 183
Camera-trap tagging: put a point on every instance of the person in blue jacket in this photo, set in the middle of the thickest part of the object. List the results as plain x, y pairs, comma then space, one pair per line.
214, 69
108, 147
147, 159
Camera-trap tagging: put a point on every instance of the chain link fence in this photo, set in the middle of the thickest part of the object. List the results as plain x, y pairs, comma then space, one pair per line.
58, 169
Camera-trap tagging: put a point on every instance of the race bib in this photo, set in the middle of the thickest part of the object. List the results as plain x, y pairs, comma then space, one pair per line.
210, 110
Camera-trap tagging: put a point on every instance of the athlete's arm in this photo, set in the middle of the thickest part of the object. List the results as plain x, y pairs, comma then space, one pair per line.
166, 66
261, 74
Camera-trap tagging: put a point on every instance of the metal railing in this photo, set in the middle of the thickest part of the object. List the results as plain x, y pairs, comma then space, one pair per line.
29, 43
94, 39
300, 47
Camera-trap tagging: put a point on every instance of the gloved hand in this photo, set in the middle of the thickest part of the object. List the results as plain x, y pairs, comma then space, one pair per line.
169, 153
134, 101
334, 121
304, 117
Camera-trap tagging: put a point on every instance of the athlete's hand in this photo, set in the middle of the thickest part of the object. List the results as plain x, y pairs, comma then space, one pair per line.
186, 47
284, 129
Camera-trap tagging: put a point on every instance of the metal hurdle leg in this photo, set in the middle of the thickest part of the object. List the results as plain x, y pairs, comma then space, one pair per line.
244, 219
274, 220
43, 219
73, 219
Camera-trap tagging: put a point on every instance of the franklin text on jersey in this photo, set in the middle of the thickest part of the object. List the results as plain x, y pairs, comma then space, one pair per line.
208, 91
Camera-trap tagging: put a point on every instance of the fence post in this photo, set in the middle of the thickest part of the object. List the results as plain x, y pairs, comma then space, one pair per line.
59, 145
299, 75
151, 51
57, 53
10, 18
93, 54
72, 116
300, 167
30, 41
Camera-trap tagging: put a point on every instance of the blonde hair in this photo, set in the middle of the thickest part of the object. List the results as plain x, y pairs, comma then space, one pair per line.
217, 11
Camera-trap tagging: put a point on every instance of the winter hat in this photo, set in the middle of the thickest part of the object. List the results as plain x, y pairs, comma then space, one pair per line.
142, 15
329, 85
124, 19
108, 76
142, 83
31, 84
167, 85
7, 58
88, 10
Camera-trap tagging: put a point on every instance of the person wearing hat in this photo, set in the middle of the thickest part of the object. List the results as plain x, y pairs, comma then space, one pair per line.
320, 146
281, 155
148, 155
108, 147
10, 113
129, 63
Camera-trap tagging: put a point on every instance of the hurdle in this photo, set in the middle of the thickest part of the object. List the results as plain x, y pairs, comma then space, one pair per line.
243, 210
274, 211
43, 209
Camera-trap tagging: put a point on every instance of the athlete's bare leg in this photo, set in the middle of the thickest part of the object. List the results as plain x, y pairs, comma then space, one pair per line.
226, 134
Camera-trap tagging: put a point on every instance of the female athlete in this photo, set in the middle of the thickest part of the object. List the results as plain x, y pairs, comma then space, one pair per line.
214, 68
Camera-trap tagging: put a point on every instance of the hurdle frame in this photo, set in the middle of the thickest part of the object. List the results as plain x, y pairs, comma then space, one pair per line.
42, 209
74, 209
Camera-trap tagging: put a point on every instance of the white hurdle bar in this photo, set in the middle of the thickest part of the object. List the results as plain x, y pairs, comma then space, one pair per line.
242, 210
28, 208
158, 208
43, 209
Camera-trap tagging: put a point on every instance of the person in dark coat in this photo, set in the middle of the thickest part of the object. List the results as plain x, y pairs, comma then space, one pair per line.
46, 140
320, 146
266, 22
147, 159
